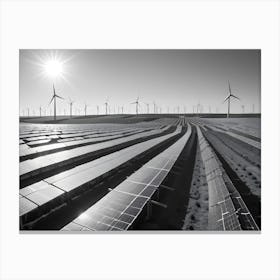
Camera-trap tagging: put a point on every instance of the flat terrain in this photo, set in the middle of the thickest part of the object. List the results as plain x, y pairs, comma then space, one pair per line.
145, 172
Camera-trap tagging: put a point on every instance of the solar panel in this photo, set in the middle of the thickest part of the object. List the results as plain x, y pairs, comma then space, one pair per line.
26, 205
70, 142
222, 213
29, 166
36, 195
119, 208
44, 191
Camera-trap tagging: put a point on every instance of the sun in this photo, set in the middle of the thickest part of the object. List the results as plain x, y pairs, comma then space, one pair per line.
53, 68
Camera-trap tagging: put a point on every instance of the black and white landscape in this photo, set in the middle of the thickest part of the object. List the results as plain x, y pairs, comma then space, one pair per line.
140, 140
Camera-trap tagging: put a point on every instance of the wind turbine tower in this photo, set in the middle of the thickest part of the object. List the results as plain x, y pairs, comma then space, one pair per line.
155, 107
106, 106
54, 102
71, 105
198, 108
148, 108
228, 99
136, 105
85, 108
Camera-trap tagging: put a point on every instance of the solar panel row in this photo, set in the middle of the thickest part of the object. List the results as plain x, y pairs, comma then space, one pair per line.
119, 208
57, 186
222, 213
244, 139
71, 142
46, 162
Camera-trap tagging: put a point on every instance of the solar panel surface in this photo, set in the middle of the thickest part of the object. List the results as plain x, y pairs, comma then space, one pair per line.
119, 208
52, 187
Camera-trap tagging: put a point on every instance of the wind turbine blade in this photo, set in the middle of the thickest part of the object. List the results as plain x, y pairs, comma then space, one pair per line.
133, 103
235, 96
53, 90
226, 98
229, 88
51, 99
59, 96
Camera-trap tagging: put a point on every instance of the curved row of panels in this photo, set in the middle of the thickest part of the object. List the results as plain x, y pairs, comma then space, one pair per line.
41, 196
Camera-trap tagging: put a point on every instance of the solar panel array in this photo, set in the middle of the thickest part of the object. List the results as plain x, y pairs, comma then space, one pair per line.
119, 208
43, 194
222, 213
45, 148
237, 132
34, 166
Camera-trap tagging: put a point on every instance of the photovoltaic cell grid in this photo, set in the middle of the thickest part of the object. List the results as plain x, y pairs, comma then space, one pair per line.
66, 139
244, 139
119, 208
29, 149
222, 213
43, 192
36, 164
246, 219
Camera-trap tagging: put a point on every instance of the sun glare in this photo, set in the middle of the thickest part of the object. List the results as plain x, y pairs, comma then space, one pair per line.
53, 68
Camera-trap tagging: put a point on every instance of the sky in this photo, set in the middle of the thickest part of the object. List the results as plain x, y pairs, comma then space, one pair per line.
170, 78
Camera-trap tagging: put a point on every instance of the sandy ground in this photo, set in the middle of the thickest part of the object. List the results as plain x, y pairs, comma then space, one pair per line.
244, 159
197, 210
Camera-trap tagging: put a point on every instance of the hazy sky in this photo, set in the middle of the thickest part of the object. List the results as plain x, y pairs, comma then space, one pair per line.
168, 77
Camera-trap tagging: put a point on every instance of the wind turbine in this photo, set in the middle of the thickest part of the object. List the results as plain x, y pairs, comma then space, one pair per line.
54, 102
148, 107
198, 107
71, 105
40, 111
155, 107
106, 105
97, 110
136, 104
228, 99
86, 105
243, 108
